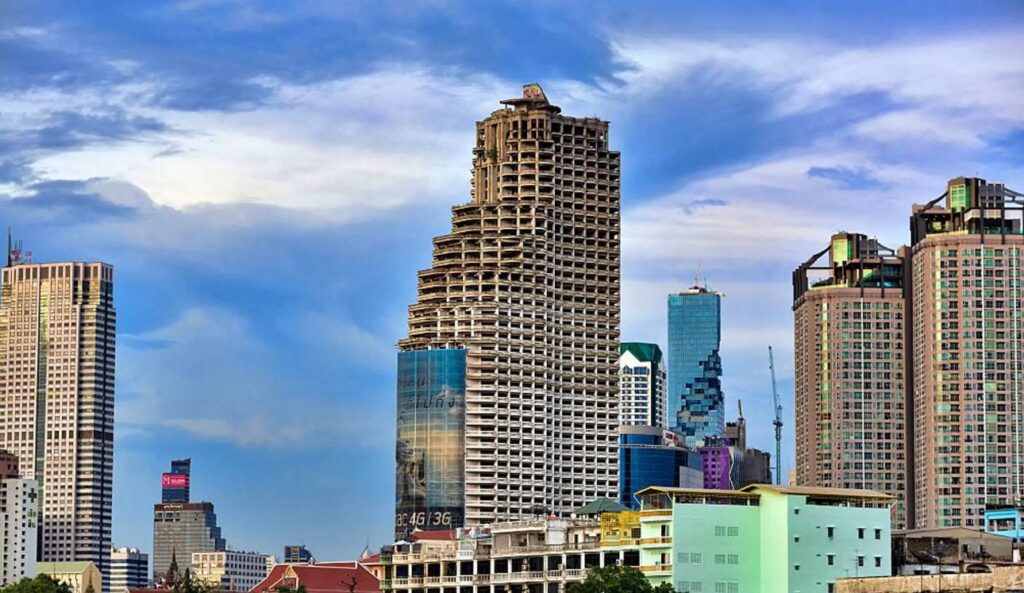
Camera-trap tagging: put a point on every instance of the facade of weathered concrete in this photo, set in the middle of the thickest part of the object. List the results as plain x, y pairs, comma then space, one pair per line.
1000, 580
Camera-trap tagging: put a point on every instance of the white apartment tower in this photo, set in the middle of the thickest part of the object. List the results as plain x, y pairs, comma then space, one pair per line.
641, 385
57, 399
18, 527
129, 569
525, 290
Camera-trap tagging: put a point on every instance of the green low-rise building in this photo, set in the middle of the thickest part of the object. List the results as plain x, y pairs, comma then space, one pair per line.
762, 538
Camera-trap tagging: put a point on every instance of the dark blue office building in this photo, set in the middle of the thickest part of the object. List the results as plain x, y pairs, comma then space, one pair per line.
647, 459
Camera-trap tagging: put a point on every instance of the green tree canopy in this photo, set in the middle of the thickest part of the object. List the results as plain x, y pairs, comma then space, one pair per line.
41, 584
617, 579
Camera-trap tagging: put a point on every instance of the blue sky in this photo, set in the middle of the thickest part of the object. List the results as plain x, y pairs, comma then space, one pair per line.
266, 178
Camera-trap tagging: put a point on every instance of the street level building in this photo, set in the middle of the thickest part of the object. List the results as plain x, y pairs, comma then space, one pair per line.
641, 385
851, 407
181, 529
696, 404
230, 570
82, 577
19, 509
326, 577
967, 254
57, 334
508, 378
763, 538
539, 555
129, 569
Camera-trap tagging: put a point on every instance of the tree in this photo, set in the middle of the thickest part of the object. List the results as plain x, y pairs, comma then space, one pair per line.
300, 589
40, 584
617, 579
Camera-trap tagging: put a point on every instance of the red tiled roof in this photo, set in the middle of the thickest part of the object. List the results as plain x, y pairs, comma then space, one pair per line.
329, 577
375, 559
437, 534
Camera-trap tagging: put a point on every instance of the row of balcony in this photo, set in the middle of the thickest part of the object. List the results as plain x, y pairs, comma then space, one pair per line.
525, 576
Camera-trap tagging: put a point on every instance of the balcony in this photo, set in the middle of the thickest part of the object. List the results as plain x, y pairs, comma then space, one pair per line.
656, 542
657, 569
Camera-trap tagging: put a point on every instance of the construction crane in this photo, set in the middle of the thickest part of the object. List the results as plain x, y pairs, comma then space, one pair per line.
778, 420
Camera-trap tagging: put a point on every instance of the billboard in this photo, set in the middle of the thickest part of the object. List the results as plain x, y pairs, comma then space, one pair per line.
429, 452
174, 481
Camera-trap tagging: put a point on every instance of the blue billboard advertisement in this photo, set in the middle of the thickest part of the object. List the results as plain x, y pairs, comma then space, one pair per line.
429, 453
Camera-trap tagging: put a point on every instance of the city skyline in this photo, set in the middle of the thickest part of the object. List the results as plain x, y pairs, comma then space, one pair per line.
220, 188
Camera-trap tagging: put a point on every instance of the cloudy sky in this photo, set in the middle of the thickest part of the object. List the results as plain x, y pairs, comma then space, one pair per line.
266, 178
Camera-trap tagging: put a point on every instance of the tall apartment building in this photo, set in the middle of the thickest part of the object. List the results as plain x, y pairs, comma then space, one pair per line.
129, 569
908, 363
57, 334
510, 361
966, 260
19, 510
641, 385
696, 404
231, 570
851, 407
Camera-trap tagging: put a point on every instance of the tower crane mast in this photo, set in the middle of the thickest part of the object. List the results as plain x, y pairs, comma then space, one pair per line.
778, 420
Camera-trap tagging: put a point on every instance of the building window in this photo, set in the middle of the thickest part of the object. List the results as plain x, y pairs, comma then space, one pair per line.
719, 558
696, 558
860, 561
734, 532
796, 539
878, 562
719, 530
733, 559
860, 533
796, 567
878, 534
831, 532
831, 559
796, 511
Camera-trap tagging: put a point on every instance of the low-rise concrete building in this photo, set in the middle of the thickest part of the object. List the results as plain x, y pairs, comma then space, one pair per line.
541, 555
231, 570
763, 538
82, 577
948, 549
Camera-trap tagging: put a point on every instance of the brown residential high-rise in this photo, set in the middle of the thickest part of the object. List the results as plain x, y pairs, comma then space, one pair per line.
957, 307
57, 398
508, 379
850, 355
967, 340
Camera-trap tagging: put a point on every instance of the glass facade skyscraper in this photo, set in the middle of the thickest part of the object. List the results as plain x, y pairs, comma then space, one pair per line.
696, 404
429, 457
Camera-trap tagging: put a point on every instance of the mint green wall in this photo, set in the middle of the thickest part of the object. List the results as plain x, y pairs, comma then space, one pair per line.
775, 516
694, 532
808, 546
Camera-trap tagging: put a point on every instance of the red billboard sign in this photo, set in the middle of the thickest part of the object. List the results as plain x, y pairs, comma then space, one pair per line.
174, 481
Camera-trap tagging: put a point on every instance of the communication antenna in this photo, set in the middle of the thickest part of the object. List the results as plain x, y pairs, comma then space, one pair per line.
778, 420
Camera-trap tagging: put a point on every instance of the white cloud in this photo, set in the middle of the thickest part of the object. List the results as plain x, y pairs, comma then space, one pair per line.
351, 146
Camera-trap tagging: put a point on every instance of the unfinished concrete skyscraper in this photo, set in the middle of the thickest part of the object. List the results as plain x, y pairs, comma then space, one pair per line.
508, 379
